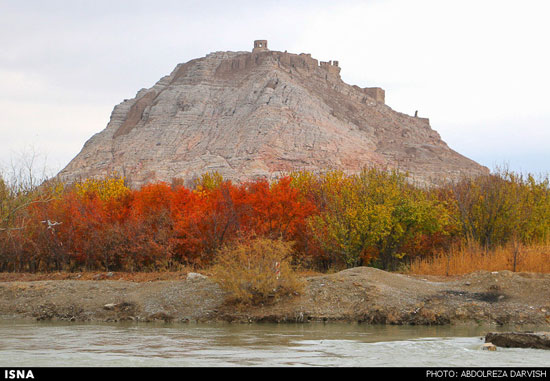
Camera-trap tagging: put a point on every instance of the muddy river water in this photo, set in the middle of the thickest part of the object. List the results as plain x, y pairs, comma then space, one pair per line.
62, 344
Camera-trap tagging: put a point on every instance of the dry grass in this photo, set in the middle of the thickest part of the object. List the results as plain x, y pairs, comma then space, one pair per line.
305, 273
533, 258
248, 271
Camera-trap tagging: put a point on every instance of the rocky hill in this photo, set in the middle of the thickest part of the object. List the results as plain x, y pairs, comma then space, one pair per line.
261, 114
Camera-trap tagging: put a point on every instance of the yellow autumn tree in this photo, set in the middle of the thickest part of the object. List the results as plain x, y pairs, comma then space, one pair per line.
105, 189
371, 216
503, 206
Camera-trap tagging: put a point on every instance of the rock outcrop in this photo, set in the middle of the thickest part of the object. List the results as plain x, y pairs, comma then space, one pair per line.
261, 114
537, 340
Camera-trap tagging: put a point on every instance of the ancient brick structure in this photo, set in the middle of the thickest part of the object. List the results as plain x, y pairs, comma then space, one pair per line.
260, 45
377, 93
331, 67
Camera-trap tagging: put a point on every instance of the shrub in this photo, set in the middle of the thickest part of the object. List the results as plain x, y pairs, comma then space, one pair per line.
248, 271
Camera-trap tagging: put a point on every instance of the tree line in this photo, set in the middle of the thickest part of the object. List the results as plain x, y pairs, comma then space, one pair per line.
331, 220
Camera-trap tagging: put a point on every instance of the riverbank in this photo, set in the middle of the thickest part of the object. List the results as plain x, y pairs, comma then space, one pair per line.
361, 294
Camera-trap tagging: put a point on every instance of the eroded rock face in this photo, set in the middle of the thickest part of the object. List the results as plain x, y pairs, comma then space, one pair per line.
261, 114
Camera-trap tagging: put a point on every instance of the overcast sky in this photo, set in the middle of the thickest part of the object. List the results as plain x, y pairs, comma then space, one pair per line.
478, 69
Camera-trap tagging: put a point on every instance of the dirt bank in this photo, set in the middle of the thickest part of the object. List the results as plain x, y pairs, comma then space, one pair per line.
360, 294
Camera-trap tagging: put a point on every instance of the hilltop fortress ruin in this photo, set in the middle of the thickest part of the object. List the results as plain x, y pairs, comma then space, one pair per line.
304, 60
262, 113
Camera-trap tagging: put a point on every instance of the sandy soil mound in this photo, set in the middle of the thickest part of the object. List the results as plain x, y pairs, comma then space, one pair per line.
361, 294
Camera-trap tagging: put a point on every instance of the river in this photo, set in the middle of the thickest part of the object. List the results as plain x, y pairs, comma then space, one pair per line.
28, 344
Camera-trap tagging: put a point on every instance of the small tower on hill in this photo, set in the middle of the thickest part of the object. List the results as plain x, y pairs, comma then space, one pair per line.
260, 45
